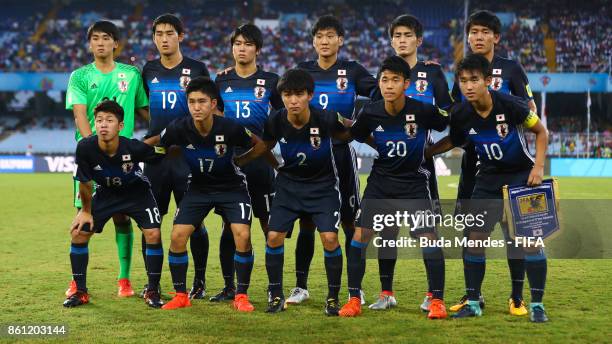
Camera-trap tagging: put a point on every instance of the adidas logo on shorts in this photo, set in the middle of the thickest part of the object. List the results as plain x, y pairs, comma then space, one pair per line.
380, 128
473, 132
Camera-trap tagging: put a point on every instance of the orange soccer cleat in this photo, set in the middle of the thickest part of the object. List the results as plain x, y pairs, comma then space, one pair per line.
437, 309
125, 288
71, 289
352, 308
180, 300
242, 304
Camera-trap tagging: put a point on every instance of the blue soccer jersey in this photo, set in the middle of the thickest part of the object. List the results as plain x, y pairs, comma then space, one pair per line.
211, 157
428, 84
166, 90
337, 87
306, 152
509, 77
400, 139
249, 100
499, 138
119, 172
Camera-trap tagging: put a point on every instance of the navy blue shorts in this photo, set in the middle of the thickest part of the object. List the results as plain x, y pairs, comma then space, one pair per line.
487, 197
346, 165
234, 205
383, 196
320, 201
168, 177
260, 183
138, 204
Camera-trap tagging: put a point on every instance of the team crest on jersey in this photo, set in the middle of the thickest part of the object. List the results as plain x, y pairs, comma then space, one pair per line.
122, 86
184, 81
421, 85
502, 130
411, 129
127, 167
496, 83
220, 149
315, 141
259, 92
342, 84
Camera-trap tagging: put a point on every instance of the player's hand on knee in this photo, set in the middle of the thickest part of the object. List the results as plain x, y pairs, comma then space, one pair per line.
83, 221
536, 176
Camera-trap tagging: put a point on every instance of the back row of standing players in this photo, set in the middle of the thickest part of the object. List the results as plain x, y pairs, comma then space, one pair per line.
248, 95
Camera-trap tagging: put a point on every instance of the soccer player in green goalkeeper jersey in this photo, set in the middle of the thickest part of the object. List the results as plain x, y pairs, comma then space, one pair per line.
106, 79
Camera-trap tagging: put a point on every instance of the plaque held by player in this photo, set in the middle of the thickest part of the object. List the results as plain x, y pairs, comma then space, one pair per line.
533, 211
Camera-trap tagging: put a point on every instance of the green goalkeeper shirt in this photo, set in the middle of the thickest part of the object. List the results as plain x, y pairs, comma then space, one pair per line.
89, 86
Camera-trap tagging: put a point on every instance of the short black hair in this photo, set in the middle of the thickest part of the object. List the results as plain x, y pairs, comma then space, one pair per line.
327, 21
205, 85
103, 26
170, 19
484, 18
397, 65
474, 63
250, 32
296, 80
110, 106
408, 21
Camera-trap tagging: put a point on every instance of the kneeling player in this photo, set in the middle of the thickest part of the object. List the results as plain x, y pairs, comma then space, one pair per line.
208, 143
307, 183
112, 162
494, 122
400, 127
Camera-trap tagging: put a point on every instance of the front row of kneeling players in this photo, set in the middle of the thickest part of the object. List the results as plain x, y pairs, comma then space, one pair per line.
307, 182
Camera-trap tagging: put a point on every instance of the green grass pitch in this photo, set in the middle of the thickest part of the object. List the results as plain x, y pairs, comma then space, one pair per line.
35, 270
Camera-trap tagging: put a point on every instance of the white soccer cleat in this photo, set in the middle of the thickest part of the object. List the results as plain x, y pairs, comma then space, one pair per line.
363, 302
384, 302
426, 302
297, 295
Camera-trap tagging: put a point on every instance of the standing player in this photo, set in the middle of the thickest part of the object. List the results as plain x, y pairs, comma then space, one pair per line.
427, 84
483, 29
208, 143
248, 93
400, 127
111, 162
337, 85
494, 124
165, 80
307, 183
101, 80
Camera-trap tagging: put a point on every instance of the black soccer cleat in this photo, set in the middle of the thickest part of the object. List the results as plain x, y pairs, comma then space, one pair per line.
538, 314
227, 294
198, 290
77, 299
332, 308
153, 299
144, 291
276, 305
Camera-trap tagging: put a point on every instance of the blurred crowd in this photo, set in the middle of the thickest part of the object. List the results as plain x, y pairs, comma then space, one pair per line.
582, 37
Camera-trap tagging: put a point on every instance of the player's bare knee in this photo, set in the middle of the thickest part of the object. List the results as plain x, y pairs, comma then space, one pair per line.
330, 240
80, 237
275, 239
152, 235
